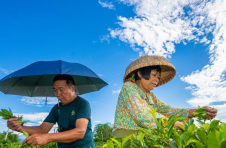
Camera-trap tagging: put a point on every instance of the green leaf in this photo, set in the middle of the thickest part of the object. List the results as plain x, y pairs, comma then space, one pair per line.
149, 142
176, 137
223, 144
186, 136
137, 143
200, 113
105, 145
197, 143
23, 122
202, 135
117, 143
140, 136
206, 126
191, 128
222, 130
124, 142
173, 144
153, 113
159, 146
146, 131
20, 118
181, 127
214, 139
110, 144
214, 124
25, 134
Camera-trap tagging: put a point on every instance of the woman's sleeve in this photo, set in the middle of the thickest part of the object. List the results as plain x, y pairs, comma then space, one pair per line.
136, 107
167, 110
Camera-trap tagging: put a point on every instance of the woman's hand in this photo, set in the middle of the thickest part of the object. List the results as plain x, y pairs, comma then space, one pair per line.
211, 112
177, 124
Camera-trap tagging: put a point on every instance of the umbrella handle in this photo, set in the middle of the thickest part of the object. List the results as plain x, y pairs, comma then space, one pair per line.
46, 101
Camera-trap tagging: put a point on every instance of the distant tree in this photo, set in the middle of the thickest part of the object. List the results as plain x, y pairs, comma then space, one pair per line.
11, 137
102, 132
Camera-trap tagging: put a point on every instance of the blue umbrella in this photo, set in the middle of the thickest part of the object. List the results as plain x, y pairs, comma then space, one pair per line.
36, 79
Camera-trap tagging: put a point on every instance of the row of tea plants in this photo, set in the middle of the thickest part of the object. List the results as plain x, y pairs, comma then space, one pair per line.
19, 145
203, 135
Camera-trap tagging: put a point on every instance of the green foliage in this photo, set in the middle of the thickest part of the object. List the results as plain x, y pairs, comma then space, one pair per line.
207, 135
25, 134
19, 145
200, 113
11, 137
6, 114
102, 132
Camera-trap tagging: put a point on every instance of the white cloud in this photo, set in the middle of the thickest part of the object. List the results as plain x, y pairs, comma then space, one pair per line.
1, 122
100, 75
160, 24
97, 121
33, 117
39, 101
93, 102
221, 112
208, 85
6, 71
105, 38
116, 91
106, 4
115, 84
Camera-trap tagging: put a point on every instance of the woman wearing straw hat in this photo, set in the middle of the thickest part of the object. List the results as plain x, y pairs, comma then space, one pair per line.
135, 98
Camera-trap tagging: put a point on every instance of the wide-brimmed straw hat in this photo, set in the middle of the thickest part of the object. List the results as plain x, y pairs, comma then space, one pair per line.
168, 71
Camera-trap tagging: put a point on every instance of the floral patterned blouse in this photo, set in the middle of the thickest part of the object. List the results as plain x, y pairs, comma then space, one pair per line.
133, 105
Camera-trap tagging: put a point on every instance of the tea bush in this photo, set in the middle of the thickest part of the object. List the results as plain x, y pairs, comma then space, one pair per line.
205, 135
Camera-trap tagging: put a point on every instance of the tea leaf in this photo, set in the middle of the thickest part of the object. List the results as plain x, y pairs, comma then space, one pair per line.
25, 134
177, 138
117, 143
186, 136
196, 142
222, 129
200, 113
202, 135
124, 142
214, 124
213, 139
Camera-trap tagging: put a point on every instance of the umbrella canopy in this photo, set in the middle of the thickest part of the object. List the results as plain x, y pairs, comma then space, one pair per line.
36, 79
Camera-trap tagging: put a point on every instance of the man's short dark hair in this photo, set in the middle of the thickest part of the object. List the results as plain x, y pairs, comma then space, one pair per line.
146, 71
68, 78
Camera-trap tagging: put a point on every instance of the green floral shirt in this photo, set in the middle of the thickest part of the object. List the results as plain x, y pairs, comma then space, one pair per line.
133, 105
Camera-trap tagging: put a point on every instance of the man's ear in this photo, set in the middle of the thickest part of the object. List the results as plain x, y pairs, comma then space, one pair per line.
72, 87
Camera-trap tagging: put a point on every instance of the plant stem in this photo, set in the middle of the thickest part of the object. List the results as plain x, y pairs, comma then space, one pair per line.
7, 134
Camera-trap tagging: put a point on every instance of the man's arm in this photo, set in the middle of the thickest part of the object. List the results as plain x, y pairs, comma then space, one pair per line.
14, 124
64, 137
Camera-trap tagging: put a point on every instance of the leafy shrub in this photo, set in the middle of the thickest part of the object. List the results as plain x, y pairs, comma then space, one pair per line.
205, 135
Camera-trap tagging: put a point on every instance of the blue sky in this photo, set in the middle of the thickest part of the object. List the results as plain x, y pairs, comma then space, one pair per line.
108, 35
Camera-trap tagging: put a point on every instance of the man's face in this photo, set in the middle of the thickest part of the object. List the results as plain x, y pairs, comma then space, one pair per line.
63, 92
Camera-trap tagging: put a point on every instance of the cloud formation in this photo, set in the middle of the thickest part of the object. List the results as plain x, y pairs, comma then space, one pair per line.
116, 91
160, 24
106, 4
97, 121
33, 118
6, 71
105, 38
39, 101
